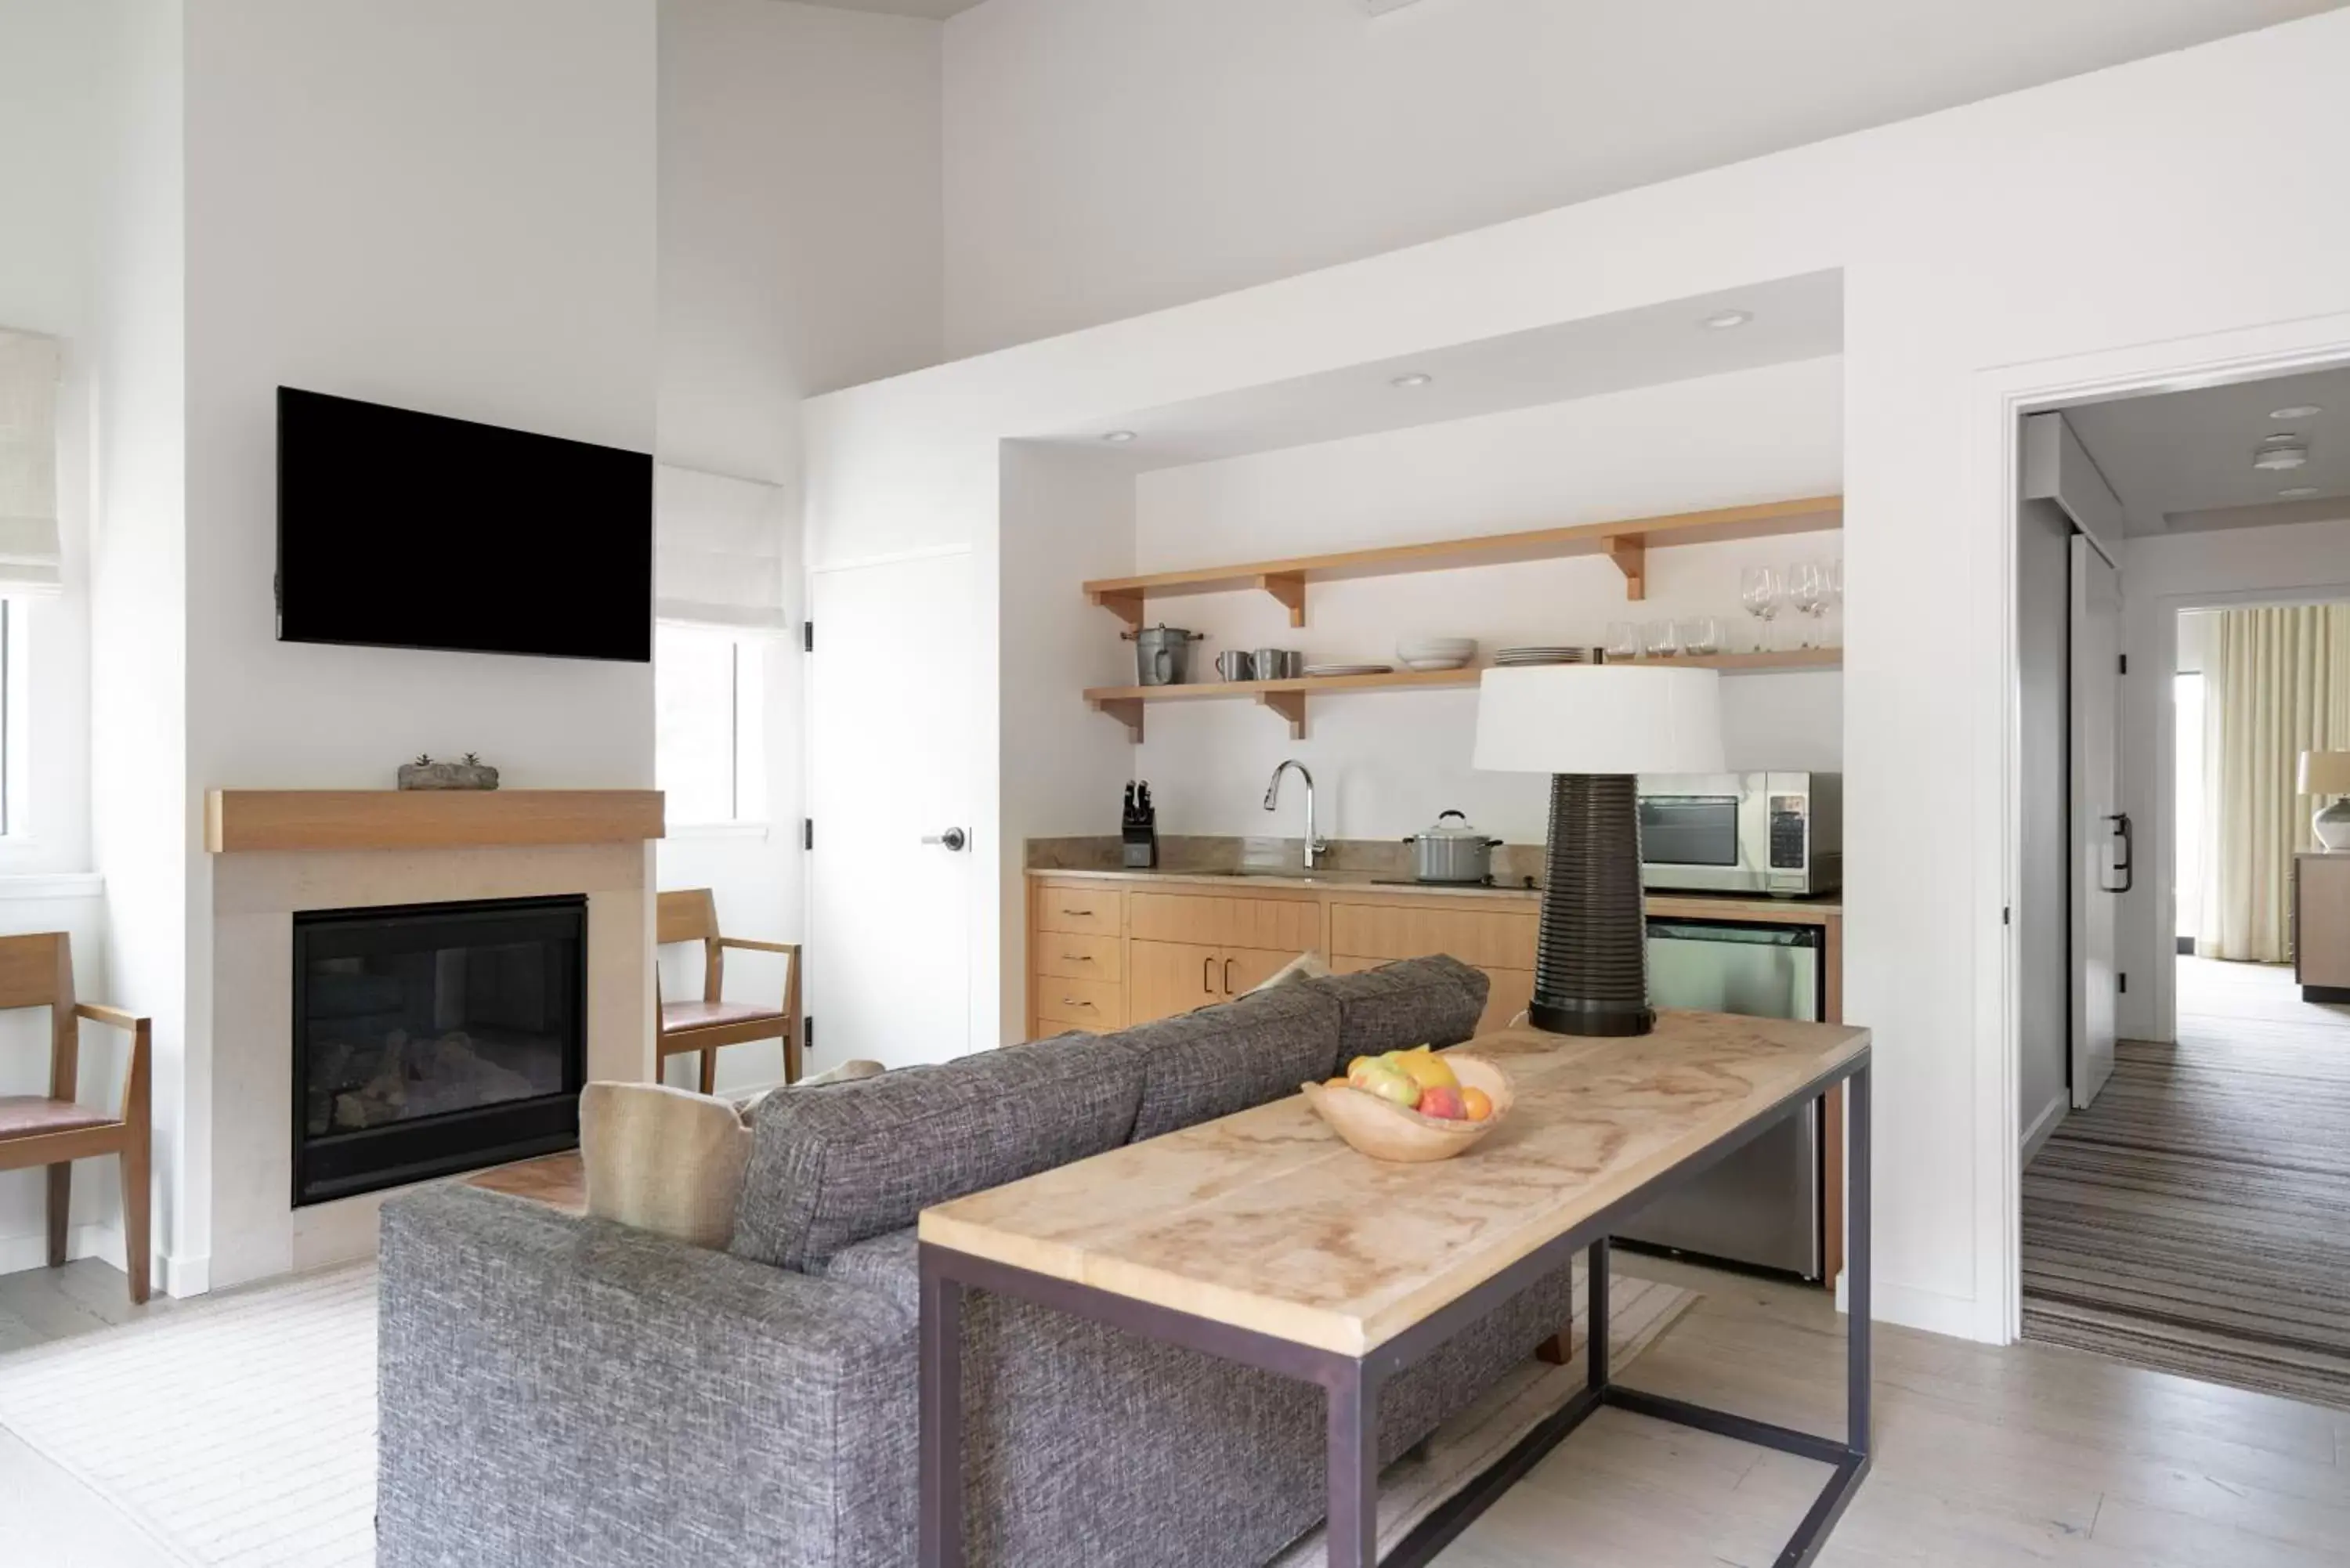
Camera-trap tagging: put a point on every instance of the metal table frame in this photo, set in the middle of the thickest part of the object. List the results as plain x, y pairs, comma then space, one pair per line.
1353, 1383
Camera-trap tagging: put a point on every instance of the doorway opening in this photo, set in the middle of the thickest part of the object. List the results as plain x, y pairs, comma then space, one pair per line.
2181, 1190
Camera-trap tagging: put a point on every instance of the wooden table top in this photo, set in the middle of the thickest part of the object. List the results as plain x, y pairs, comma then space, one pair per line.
1267, 1221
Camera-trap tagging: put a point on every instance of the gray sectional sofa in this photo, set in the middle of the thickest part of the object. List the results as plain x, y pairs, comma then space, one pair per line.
560, 1390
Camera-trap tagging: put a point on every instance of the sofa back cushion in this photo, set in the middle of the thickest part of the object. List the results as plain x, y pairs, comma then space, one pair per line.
1229, 1057
858, 1160
1418, 1002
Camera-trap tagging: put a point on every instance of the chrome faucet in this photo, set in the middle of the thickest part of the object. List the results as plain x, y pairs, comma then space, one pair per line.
1314, 845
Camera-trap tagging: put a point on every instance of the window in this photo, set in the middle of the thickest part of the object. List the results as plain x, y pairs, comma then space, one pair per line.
710, 737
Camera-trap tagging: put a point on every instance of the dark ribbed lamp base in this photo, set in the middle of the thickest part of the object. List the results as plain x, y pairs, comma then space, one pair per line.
1591, 972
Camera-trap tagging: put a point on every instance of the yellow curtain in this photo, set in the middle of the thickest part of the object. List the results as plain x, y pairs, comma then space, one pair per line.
2276, 682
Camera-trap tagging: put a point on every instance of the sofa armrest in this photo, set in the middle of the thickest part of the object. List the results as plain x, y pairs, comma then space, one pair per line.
562, 1389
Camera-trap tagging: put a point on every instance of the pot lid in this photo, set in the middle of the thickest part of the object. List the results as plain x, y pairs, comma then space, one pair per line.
1451, 824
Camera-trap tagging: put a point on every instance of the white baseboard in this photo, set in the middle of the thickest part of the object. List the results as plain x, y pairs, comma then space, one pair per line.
2052, 1115
183, 1275
102, 1242
1906, 1306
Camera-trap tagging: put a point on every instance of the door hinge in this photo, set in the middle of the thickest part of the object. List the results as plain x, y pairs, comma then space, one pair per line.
807, 637
808, 833
807, 1035
2124, 977
2007, 915
2124, 664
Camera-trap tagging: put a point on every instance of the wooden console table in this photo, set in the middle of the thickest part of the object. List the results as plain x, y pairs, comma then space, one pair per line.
1341, 1295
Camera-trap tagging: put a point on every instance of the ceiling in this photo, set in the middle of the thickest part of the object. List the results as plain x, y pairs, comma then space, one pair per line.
2182, 462
1792, 318
941, 9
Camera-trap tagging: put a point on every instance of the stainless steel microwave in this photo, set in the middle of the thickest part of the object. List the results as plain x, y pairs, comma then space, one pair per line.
1781, 834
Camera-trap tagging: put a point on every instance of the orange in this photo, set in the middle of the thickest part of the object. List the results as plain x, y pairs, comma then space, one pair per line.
1477, 1103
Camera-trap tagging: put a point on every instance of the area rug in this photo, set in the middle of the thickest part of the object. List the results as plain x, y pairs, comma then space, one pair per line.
1476, 1438
240, 1432
2191, 1221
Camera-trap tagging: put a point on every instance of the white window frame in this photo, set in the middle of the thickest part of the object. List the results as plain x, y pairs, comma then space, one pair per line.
748, 758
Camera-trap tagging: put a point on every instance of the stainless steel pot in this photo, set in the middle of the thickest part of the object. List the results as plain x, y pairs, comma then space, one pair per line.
1453, 851
1162, 655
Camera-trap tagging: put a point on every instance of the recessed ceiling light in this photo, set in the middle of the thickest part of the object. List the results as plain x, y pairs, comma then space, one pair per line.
2298, 411
1722, 319
1118, 438
2298, 493
1416, 378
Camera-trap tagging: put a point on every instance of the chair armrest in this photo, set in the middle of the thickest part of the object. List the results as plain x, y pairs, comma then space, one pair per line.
556, 1389
136, 1076
791, 947
99, 1013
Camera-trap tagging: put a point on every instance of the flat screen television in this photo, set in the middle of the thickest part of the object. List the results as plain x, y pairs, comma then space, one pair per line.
397, 529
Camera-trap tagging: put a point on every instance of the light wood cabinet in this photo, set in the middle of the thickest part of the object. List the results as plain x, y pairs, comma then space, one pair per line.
1509, 990
1065, 955
1265, 924
1169, 978
1079, 909
1489, 939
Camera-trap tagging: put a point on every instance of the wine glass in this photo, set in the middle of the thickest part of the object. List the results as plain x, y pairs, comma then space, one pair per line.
1808, 591
1700, 635
1623, 639
1760, 590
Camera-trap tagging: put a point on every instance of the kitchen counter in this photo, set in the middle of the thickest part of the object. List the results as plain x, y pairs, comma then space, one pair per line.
1685, 906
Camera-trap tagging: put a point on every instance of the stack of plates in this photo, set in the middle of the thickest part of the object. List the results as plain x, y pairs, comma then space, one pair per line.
1437, 652
1517, 656
1350, 670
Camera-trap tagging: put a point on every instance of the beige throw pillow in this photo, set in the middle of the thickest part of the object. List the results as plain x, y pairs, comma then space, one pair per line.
1304, 966
663, 1159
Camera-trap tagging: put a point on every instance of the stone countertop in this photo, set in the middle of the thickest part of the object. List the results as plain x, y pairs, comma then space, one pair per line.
1267, 1221
1667, 904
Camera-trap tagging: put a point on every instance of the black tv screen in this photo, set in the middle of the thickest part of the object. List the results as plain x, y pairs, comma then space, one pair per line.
406, 530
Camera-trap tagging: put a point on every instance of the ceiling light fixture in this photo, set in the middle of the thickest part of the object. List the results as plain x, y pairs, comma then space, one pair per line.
1118, 438
1720, 320
1416, 378
2298, 493
2279, 451
2298, 411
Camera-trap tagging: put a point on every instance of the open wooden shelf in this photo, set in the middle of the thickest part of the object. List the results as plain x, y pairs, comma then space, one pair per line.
1626, 541
1287, 698
254, 819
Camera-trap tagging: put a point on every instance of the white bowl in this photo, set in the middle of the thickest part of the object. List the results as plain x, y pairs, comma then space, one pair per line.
1462, 648
1425, 665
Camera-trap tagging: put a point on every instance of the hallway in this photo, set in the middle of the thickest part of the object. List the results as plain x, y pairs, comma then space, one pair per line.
2197, 1218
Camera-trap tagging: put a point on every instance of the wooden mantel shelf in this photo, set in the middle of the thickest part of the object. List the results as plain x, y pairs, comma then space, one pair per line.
1626, 541
259, 819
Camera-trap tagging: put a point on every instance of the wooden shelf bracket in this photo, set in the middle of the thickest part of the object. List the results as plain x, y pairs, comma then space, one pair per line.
1125, 605
1290, 705
1289, 587
1126, 710
1630, 554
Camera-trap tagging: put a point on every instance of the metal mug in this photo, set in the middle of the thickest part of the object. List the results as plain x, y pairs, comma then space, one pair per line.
1236, 665
1276, 664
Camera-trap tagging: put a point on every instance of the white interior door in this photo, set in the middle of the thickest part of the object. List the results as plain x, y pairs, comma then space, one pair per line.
2100, 830
890, 772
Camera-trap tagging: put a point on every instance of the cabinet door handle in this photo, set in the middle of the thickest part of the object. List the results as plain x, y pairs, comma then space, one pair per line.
1228, 977
1078, 958
1082, 914
1206, 985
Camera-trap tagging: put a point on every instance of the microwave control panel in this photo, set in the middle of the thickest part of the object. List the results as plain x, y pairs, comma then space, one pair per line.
1788, 815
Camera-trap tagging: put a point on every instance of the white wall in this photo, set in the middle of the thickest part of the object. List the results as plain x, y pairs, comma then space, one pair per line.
2188, 243
2044, 895
1105, 159
2162, 574
800, 252
1385, 763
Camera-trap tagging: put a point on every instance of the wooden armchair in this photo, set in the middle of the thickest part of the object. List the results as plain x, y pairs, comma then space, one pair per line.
54, 1129
703, 1027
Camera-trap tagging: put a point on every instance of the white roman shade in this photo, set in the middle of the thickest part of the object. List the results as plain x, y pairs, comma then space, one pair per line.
717, 549
28, 462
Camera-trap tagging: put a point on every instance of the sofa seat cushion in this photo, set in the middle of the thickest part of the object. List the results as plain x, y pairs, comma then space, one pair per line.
1229, 1057
1418, 1002
862, 1159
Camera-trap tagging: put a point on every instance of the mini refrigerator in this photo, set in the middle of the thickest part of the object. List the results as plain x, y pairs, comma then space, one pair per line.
1759, 1207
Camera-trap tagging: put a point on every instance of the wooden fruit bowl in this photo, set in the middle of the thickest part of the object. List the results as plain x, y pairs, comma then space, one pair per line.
1384, 1130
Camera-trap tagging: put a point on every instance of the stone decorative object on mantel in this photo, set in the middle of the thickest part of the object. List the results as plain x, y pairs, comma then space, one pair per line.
470, 774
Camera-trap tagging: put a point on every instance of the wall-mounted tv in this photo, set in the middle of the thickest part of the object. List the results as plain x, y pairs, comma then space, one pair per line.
405, 530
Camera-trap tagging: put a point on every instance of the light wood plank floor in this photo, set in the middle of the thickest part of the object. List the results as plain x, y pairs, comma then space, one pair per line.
1985, 1457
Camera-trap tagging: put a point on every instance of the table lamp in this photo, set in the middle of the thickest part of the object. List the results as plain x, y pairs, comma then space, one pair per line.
1594, 727
2326, 774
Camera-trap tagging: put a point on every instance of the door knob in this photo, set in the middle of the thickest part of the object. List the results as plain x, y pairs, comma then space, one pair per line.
954, 838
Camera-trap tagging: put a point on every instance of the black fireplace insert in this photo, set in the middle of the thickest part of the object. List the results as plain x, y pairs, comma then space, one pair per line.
435, 1038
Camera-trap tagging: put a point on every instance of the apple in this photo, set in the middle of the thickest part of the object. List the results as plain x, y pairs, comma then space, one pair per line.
1441, 1100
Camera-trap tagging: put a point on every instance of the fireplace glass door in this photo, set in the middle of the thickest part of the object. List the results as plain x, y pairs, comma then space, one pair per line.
434, 1038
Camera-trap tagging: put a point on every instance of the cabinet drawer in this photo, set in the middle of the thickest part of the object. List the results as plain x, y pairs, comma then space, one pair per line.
1074, 957
1090, 1003
1289, 926
1081, 910
1489, 939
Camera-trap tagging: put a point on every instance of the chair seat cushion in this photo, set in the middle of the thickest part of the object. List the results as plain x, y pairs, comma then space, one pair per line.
26, 1115
676, 1015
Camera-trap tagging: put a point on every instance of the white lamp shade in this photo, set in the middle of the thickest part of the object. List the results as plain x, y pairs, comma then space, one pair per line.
2326, 773
1599, 719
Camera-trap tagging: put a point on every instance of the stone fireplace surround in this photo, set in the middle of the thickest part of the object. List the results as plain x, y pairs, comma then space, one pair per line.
257, 1231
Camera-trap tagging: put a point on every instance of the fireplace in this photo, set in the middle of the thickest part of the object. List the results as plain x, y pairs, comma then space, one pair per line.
434, 1038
